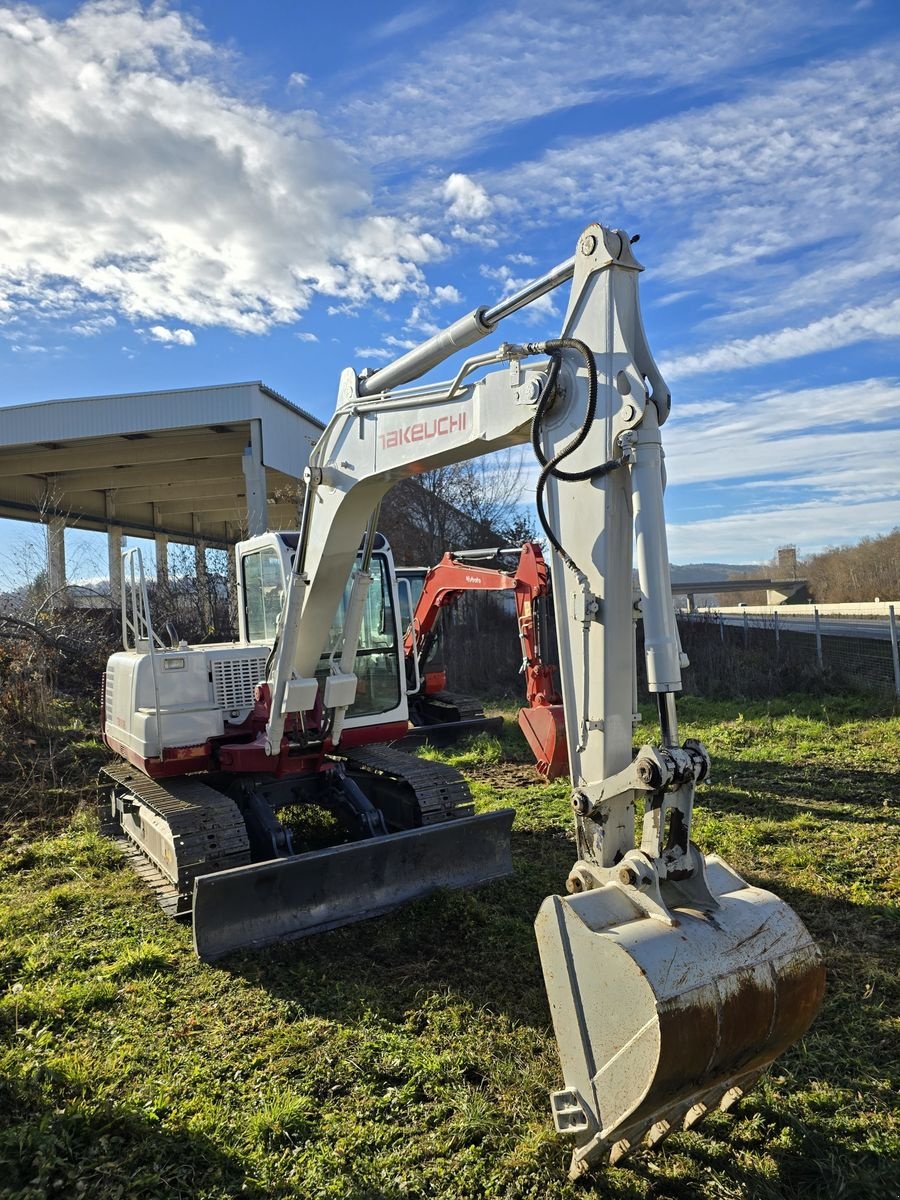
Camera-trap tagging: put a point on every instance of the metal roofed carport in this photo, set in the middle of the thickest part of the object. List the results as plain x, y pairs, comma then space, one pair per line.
204, 466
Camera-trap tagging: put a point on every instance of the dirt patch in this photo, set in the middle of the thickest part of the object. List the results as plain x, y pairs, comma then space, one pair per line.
506, 775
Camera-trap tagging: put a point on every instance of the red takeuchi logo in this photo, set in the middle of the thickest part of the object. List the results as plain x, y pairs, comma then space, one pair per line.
424, 431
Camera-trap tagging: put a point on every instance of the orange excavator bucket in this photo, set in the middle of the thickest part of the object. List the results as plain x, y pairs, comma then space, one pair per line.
545, 732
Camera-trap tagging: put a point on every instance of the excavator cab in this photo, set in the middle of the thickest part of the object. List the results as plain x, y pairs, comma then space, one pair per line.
264, 565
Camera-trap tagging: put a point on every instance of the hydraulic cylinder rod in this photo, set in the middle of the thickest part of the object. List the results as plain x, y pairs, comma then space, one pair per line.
471, 328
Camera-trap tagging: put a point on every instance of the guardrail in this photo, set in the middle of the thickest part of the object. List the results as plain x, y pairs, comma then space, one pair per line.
879, 609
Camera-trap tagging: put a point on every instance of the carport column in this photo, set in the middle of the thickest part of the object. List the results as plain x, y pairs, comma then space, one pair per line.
255, 477
162, 552
56, 560
231, 571
114, 550
206, 610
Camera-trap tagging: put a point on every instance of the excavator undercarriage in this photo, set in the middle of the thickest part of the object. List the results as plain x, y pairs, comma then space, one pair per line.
227, 863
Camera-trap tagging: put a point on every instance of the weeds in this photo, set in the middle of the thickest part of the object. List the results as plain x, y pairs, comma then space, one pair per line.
412, 1056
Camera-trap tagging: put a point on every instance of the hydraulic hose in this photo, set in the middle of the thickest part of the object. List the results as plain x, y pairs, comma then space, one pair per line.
550, 467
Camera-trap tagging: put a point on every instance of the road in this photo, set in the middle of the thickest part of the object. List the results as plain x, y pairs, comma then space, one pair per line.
877, 628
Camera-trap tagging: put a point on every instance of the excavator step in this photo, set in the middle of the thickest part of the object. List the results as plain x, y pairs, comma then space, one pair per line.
445, 732
290, 898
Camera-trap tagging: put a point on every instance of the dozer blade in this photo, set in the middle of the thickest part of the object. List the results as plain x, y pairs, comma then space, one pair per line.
443, 733
656, 1024
545, 732
289, 898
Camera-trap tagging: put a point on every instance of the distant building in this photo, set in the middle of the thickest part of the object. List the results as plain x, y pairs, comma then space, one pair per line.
786, 562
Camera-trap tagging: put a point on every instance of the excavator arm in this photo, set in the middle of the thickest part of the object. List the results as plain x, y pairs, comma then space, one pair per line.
671, 981
444, 583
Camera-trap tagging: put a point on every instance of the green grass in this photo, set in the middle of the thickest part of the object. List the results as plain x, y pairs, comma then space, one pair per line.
412, 1056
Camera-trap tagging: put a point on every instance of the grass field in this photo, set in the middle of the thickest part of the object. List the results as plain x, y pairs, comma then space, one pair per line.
412, 1056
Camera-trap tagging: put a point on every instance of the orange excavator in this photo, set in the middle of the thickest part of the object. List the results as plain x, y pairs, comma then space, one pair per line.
459, 571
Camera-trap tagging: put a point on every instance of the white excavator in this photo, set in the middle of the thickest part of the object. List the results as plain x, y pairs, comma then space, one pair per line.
672, 982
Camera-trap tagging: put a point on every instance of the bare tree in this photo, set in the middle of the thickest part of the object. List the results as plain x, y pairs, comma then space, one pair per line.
857, 573
199, 610
467, 504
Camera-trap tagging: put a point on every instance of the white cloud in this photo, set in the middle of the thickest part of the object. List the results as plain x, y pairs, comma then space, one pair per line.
537, 311
92, 326
305, 336
466, 198
481, 235
514, 62
779, 204
789, 164
405, 22
447, 294
814, 438
841, 329
393, 347
754, 536
377, 352
174, 337
814, 467
133, 176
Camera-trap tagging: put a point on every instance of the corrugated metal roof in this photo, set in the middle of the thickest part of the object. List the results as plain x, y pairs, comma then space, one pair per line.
170, 459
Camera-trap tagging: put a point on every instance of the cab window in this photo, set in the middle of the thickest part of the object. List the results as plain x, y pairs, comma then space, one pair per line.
263, 594
377, 657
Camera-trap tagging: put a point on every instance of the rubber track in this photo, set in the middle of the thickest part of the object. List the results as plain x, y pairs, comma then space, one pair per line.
468, 707
440, 791
207, 830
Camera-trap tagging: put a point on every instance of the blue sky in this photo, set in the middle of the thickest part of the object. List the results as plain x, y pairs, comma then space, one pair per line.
198, 193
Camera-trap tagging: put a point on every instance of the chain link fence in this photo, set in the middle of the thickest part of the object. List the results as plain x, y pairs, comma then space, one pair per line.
760, 656
754, 657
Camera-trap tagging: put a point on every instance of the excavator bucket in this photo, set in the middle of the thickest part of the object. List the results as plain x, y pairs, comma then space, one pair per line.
657, 1024
288, 898
545, 732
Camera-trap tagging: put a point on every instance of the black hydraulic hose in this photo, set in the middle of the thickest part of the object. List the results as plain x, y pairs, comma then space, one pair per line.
550, 467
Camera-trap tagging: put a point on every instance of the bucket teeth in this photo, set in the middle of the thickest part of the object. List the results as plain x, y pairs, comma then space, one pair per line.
619, 1150
730, 1098
694, 1114
649, 1134
657, 1132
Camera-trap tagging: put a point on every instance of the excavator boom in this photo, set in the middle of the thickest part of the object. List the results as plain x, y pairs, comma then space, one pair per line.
592, 403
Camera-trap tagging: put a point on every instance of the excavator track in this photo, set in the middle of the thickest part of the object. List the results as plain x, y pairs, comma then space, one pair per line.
445, 717
466, 708
171, 833
439, 793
